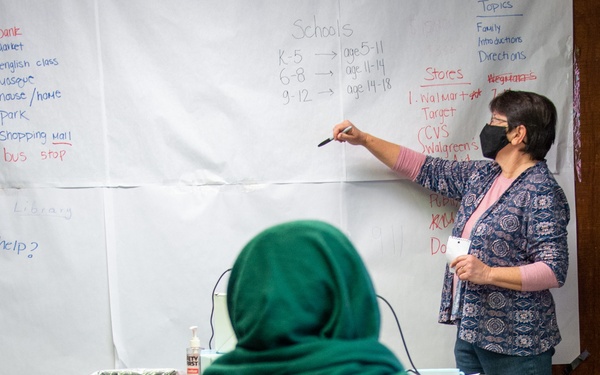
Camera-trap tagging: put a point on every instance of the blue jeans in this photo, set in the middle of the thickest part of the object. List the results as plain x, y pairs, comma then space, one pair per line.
472, 359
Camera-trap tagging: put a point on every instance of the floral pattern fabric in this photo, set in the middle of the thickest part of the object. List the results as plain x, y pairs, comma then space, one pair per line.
527, 224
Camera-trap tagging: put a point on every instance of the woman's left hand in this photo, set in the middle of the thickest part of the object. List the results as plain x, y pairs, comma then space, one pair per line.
470, 268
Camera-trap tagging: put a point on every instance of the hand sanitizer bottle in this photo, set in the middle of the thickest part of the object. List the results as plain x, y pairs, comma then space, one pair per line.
193, 354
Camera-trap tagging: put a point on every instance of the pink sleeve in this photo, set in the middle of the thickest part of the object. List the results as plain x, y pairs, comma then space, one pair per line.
409, 163
537, 276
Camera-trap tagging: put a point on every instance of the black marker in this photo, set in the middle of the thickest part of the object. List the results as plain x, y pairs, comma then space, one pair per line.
331, 139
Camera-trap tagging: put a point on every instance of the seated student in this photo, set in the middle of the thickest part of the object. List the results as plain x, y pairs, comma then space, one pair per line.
301, 302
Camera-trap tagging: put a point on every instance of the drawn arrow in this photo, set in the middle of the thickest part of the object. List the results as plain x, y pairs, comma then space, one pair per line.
327, 54
330, 91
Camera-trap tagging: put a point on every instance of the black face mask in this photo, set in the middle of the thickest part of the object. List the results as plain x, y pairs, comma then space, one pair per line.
493, 139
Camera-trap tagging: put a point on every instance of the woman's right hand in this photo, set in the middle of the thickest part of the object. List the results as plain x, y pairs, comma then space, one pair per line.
386, 152
354, 136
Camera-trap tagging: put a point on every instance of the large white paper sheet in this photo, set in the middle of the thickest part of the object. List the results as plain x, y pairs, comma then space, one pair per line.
55, 313
171, 244
229, 99
51, 123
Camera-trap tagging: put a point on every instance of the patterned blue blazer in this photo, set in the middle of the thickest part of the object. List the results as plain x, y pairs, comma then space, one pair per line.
527, 224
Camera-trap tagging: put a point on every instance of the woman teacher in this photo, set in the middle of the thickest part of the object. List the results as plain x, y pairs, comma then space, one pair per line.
515, 216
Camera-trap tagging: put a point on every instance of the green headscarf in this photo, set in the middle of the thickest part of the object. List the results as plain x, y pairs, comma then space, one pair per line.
301, 302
